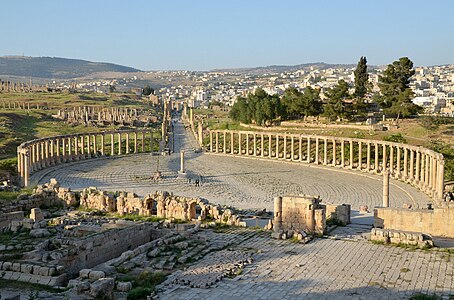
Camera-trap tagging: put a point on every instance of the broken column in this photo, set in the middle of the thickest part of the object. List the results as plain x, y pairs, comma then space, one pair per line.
181, 173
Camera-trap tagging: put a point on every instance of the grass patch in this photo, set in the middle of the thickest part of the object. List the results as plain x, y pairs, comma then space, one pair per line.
221, 228
421, 296
404, 270
144, 284
134, 217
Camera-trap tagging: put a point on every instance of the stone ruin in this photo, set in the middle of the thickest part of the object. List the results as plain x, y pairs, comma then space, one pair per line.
160, 204
303, 215
105, 116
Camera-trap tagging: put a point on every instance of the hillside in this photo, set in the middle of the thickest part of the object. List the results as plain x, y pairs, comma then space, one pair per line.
278, 69
55, 67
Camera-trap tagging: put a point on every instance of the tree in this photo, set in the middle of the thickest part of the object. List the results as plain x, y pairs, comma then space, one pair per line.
258, 107
336, 108
361, 78
299, 104
147, 90
395, 91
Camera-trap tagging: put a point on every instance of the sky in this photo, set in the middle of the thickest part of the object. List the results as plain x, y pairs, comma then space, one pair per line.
209, 34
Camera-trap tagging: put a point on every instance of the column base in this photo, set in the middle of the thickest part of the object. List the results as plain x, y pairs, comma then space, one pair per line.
182, 174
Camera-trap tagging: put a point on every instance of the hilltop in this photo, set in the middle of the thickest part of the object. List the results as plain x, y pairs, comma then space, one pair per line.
55, 67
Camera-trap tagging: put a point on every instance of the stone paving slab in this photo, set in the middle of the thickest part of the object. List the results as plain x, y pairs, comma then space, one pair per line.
330, 269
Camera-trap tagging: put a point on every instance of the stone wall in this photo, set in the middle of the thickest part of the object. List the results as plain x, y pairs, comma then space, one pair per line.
7, 218
436, 222
400, 237
93, 250
302, 213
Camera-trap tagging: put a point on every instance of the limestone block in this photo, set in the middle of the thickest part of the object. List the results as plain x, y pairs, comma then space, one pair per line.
124, 286
7, 266
40, 232
36, 215
95, 275
102, 288
16, 267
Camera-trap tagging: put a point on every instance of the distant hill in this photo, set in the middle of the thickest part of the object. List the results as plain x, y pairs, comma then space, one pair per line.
280, 69
55, 67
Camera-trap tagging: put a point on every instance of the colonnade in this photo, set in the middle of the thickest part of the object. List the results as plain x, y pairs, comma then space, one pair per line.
39, 154
418, 166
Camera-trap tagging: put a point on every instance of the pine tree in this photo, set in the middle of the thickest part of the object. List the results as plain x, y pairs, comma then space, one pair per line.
361, 78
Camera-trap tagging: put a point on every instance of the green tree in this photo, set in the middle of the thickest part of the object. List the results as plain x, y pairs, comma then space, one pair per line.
147, 90
361, 78
396, 94
336, 108
258, 107
299, 104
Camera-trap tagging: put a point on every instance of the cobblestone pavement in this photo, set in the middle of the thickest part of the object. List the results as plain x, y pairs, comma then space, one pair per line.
236, 181
326, 268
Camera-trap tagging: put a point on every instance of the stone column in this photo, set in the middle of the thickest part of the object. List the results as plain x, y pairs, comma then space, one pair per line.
136, 149
19, 166
277, 214
211, 141
285, 146
334, 153
277, 145
385, 188
112, 144
59, 160
254, 151
360, 155
217, 141
119, 143
308, 156
398, 161
405, 163
412, 167
181, 161
46, 149
95, 147
418, 166
384, 158
82, 146
63, 142
76, 146
143, 141
127, 142
376, 158
426, 176
342, 153
292, 145
102, 144
433, 173
325, 151
262, 145
232, 142
224, 135
317, 145
270, 141
239, 144
351, 154
368, 157
440, 178
300, 148
391, 159
200, 133
26, 162
247, 143
151, 141
70, 150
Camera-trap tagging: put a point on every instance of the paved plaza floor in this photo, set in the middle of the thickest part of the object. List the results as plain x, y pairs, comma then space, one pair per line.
236, 181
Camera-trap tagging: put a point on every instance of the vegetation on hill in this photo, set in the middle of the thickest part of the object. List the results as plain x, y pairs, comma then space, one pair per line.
55, 67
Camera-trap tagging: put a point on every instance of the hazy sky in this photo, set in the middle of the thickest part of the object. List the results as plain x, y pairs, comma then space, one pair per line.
207, 34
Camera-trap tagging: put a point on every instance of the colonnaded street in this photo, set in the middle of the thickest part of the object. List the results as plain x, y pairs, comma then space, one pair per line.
342, 265
236, 181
